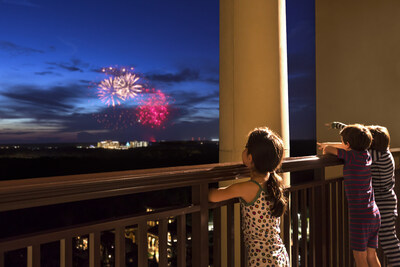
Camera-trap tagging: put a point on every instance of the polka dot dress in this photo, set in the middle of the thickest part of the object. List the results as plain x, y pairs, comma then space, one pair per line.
261, 233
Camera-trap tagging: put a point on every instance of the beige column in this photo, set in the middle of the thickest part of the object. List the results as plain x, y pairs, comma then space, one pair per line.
253, 77
253, 72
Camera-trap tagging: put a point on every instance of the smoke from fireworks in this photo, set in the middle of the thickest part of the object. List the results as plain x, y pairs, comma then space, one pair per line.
121, 86
116, 118
154, 110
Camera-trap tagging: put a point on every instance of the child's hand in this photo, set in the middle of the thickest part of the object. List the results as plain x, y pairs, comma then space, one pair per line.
321, 146
327, 148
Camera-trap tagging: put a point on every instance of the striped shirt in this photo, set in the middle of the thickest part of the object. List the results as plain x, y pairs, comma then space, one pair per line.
382, 170
358, 185
338, 125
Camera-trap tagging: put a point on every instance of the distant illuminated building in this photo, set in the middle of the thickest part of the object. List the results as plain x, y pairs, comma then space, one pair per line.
134, 144
108, 144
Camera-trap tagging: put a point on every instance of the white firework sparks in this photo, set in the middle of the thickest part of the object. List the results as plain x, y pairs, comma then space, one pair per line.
126, 86
118, 88
107, 91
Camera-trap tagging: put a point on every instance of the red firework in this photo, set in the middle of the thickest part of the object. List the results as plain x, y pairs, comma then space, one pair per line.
153, 110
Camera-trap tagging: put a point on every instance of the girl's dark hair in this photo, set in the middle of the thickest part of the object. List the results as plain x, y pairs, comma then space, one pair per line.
266, 149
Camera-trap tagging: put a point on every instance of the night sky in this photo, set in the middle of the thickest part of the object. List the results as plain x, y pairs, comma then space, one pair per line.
52, 54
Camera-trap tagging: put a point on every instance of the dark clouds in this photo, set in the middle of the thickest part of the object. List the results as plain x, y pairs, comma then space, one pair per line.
43, 73
77, 122
97, 70
195, 107
184, 98
33, 99
14, 49
182, 76
65, 66
73, 66
186, 74
10, 132
212, 80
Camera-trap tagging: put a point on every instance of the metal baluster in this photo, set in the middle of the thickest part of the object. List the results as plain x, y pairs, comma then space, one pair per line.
182, 240
120, 247
66, 252
162, 242
94, 249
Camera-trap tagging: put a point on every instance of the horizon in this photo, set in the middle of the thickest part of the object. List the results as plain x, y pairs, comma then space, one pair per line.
124, 141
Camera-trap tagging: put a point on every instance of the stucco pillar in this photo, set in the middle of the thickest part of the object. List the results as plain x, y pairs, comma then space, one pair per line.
253, 72
253, 78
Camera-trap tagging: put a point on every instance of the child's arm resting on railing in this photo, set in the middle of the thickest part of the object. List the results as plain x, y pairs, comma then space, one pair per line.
333, 144
331, 148
232, 191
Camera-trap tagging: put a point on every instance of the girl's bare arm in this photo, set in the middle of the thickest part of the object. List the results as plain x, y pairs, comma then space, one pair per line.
245, 190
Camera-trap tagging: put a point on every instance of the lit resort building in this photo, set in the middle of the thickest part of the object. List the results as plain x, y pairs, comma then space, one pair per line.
108, 144
134, 144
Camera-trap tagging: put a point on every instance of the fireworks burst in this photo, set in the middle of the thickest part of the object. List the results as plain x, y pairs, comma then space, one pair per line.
119, 87
154, 110
107, 92
126, 87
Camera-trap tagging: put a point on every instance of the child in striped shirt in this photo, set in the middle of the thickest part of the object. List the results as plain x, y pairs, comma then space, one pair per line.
364, 214
382, 170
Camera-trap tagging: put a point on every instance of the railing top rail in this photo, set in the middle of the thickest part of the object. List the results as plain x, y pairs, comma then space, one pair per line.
25, 193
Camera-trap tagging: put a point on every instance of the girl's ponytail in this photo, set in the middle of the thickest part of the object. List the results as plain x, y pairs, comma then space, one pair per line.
266, 149
275, 194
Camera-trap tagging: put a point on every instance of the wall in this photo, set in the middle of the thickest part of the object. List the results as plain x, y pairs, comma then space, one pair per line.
358, 65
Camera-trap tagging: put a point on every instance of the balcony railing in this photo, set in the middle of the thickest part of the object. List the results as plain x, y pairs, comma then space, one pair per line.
314, 228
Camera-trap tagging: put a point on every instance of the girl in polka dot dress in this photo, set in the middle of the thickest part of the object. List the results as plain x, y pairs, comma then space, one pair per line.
262, 200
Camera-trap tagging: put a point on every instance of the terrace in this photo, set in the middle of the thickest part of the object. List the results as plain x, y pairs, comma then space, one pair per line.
354, 54
314, 228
